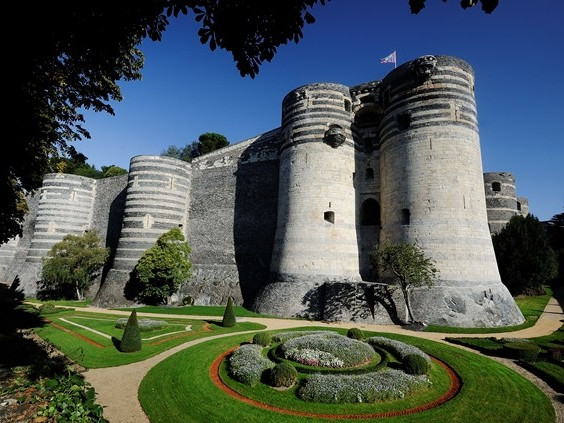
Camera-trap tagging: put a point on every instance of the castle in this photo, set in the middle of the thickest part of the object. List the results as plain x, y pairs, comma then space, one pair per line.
284, 222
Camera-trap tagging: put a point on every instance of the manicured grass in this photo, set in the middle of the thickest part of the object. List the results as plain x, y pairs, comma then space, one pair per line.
106, 353
195, 310
179, 389
531, 307
65, 303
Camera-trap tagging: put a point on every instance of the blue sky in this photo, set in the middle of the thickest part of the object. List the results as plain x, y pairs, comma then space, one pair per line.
517, 54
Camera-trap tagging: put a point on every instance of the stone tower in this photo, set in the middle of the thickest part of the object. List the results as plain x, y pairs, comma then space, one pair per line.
432, 191
316, 239
501, 199
156, 201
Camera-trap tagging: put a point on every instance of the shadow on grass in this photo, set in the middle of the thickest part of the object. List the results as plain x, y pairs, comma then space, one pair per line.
117, 343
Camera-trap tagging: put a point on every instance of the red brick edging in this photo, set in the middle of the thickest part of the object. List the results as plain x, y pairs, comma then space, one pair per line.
455, 386
78, 335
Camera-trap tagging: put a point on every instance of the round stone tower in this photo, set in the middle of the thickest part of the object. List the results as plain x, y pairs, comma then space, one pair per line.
501, 199
432, 191
156, 201
316, 237
65, 207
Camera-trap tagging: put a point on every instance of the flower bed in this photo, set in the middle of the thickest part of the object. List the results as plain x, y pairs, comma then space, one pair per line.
145, 325
385, 385
247, 364
327, 349
400, 349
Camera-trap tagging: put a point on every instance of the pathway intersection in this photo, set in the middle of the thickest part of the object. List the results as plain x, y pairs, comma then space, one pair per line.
117, 387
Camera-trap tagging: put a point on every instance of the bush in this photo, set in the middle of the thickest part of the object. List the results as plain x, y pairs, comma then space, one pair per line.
283, 375
247, 364
523, 351
262, 338
355, 333
187, 301
415, 364
131, 339
229, 319
145, 325
47, 308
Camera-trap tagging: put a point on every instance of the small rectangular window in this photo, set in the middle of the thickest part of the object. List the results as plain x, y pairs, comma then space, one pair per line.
496, 186
405, 216
329, 216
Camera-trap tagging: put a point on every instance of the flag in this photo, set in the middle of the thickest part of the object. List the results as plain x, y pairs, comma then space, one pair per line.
391, 58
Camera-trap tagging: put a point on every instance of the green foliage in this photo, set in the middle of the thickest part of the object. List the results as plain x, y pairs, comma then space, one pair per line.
524, 351
210, 141
488, 6
187, 301
131, 339
47, 308
207, 142
162, 268
355, 333
283, 375
555, 231
229, 319
71, 265
524, 256
262, 338
414, 364
111, 171
409, 264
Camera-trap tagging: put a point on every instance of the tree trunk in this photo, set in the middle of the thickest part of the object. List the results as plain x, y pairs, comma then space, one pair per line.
410, 318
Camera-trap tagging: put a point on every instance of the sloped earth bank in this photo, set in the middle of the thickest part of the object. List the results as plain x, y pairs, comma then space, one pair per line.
117, 387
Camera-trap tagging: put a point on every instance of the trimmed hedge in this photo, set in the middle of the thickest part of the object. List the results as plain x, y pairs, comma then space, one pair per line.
131, 339
355, 333
262, 338
283, 375
414, 364
523, 351
229, 319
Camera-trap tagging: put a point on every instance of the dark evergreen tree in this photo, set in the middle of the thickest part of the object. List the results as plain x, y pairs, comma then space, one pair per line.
229, 319
131, 339
525, 259
555, 230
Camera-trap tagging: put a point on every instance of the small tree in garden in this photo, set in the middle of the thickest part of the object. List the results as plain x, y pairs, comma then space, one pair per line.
72, 265
229, 315
131, 339
163, 268
409, 264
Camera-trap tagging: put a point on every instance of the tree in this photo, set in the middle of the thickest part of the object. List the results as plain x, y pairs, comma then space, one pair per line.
113, 170
163, 268
72, 265
555, 230
524, 257
131, 338
70, 56
488, 6
207, 142
229, 319
410, 266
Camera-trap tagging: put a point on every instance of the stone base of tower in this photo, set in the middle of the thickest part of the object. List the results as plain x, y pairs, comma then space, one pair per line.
329, 301
112, 291
476, 305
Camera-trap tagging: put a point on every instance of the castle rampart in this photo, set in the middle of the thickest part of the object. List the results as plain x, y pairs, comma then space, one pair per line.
284, 222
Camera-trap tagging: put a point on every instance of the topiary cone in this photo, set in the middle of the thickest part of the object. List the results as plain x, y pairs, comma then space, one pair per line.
131, 339
229, 316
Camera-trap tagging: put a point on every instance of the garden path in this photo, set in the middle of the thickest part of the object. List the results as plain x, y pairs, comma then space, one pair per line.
117, 387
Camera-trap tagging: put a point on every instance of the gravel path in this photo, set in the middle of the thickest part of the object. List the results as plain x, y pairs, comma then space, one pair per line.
117, 386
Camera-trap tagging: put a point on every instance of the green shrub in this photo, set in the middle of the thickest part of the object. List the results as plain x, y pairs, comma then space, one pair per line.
229, 319
187, 301
262, 338
131, 339
415, 364
523, 351
555, 353
355, 333
47, 308
283, 375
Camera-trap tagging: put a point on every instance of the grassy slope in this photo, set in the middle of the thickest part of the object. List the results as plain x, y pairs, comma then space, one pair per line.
531, 307
179, 389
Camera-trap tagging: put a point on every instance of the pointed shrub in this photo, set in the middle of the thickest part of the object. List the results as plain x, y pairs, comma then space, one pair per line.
229, 315
131, 339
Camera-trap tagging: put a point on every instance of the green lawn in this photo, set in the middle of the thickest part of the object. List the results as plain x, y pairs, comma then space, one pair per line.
179, 389
195, 310
104, 353
531, 307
